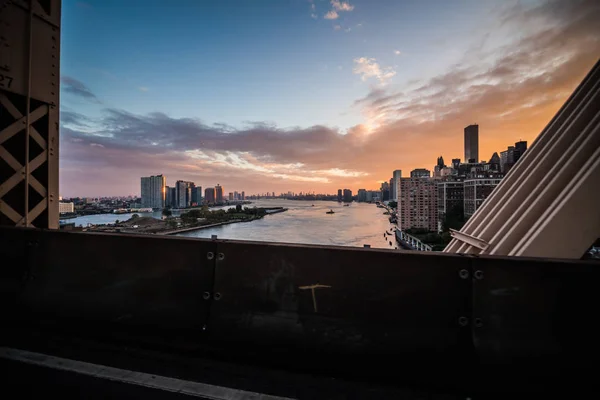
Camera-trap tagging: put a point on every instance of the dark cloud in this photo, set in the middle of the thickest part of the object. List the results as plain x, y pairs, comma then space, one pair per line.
73, 86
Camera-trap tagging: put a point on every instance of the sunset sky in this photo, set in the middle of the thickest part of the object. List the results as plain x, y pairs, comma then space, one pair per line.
301, 95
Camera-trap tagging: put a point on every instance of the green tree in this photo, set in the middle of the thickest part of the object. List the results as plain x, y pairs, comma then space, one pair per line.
454, 218
166, 212
117, 222
135, 216
238, 208
393, 204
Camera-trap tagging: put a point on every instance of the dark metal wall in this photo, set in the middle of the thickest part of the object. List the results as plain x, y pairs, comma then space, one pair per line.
432, 318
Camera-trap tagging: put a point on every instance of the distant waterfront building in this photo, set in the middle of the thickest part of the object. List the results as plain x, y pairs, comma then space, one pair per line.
477, 189
373, 195
153, 191
66, 207
243, 195
347, 195
450, 196
219, 194
209, 195
420, 173
362, 195
230, 196
417, 204
385, 191
339, 196
472, 144
396, 176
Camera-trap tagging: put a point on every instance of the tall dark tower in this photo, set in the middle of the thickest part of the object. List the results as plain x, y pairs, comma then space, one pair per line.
472, 143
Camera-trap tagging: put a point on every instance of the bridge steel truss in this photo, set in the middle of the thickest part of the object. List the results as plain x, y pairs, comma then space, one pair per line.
547, 206
29, 112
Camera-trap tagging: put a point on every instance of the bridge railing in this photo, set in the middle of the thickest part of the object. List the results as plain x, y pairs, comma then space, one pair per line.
376, 314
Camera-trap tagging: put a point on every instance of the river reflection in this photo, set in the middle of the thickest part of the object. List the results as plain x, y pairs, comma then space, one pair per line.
356, 225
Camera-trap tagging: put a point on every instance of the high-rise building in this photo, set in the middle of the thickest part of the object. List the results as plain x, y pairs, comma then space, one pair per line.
392, 190
197, 195
339, 196
417, 204
347, 195
209, 195
450, 196
477, 189
168, 197
219, 194
455, 163
472, 144
385, 191
396, 176
420, 173
230, 196
243, 195
521, 146
183, 193
153, 191
362, 195
440, 162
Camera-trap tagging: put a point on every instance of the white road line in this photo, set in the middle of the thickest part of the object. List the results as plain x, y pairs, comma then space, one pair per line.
190, 388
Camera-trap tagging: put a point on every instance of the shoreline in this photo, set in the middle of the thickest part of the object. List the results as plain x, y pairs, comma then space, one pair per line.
196, 228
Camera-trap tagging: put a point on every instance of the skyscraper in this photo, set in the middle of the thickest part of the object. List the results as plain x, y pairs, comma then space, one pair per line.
218, 193
397, 175
183, 193
472, 143
339, 196
243, 195
392, 187
455, 163
209, 195
197, 195
153, 191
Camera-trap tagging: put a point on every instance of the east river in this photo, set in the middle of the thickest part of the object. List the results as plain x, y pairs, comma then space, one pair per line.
355, 225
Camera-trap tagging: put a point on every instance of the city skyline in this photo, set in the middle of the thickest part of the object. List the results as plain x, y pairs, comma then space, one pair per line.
323, 103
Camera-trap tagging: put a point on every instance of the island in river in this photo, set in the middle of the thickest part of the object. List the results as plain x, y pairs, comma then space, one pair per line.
194, 219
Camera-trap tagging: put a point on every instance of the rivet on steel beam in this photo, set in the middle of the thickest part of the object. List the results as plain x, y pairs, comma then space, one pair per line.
217, 296
463, 273
478, 322
210, 255
478, 274
463, 321
206, 295
221, 256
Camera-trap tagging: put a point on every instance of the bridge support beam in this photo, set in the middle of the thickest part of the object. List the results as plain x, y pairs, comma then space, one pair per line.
547, 206
29, 112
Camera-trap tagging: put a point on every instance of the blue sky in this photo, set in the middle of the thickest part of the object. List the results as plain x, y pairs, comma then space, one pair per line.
295, 69
264, 60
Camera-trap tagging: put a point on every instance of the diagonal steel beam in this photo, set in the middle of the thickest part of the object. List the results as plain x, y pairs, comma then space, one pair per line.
20, 124
11, 182
9, 159
9, 212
